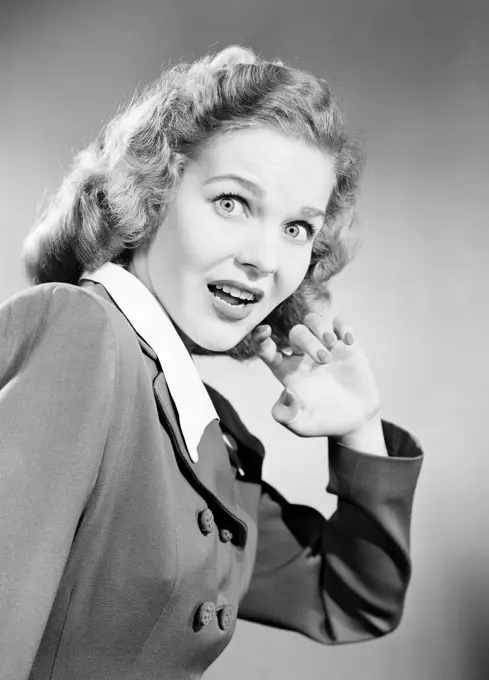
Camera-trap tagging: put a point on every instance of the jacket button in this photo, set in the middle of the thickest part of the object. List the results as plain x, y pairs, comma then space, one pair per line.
225, 617
204, 615
225, 535
206, 521
230, 441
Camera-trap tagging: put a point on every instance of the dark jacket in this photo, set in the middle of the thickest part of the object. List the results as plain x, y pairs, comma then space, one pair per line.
121, 559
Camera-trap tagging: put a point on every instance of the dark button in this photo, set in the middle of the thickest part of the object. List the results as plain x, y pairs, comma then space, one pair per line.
225, 535
206, 521
225, 616
204, 615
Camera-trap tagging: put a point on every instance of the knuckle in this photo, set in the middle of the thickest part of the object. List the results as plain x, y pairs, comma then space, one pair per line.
341, 326
298, 332
338, 322
312, 318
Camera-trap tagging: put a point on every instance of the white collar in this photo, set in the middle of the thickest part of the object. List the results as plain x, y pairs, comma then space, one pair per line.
149, 319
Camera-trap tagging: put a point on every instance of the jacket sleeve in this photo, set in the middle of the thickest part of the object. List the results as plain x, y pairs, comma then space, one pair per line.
57, 367
343, 579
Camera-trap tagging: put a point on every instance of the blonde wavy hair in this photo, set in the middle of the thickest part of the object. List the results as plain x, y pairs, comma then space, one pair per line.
117, 193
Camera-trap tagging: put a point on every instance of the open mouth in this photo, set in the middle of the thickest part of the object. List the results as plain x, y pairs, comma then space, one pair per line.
232, 296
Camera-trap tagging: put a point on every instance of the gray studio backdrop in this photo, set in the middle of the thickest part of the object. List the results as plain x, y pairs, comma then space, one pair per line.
412, 80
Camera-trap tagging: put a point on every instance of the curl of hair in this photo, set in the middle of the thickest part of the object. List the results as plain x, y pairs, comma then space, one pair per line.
119, 188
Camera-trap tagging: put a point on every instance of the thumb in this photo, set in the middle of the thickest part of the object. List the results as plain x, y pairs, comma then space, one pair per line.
286, 409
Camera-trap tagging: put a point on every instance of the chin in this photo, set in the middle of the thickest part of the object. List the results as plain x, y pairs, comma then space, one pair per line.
216, 339
242, 350
206, 345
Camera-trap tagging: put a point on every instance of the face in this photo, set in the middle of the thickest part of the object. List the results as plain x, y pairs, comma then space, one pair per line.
237, 238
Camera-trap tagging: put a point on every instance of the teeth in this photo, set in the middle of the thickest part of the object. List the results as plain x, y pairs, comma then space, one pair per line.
236, 292
240, 294
226, 289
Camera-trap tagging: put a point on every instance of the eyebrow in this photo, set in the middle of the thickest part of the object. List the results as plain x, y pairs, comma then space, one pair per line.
248, 184
261, 193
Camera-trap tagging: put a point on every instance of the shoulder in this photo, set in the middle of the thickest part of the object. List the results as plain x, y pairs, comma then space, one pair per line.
49, 301
61, 318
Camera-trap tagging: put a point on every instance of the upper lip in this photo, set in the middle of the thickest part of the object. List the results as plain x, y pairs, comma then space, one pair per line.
257, 292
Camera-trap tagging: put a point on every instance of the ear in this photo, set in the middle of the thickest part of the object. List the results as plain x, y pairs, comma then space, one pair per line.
233, 55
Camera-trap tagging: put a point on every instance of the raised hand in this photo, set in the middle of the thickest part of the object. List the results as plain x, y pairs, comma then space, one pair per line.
329, 387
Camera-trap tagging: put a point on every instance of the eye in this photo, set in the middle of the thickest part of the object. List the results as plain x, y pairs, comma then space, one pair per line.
300, 232
230, 205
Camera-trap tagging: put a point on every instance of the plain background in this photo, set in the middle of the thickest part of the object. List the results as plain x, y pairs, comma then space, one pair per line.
411, 76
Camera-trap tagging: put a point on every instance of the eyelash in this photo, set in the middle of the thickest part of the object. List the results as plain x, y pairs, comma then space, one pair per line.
238, 197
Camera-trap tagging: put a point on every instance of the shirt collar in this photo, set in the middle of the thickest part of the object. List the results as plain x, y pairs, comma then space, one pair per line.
150, 321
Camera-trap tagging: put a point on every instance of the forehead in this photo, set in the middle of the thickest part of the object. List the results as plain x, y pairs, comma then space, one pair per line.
271, 159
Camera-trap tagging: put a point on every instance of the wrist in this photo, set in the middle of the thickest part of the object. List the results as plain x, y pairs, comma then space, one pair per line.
369, 438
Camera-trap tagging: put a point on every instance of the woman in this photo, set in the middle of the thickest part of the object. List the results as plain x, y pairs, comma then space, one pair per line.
208, 219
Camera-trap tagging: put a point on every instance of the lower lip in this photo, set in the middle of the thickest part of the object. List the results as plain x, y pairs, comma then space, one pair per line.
229, 312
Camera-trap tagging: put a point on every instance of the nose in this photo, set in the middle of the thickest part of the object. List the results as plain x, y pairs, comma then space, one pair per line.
260, 249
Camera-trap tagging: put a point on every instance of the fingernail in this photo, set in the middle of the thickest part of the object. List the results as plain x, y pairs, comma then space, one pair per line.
349, 339
260, 333
287, 399
322, 355
329, 339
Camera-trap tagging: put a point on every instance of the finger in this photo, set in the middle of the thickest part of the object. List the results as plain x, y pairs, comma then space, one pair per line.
329, 340
286, 409
261, 333
304, 341
321, 328
265, 347
343, 331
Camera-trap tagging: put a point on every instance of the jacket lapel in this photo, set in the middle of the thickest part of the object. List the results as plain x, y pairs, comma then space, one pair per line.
212, 475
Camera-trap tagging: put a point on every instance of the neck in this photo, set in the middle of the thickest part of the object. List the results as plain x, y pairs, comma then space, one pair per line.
138, 267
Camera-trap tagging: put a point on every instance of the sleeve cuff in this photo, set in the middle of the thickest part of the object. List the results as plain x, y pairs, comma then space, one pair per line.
353, 474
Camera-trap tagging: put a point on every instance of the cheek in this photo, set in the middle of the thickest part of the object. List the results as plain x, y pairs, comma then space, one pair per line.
200, 241
180, 249
293, 271
199, 253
